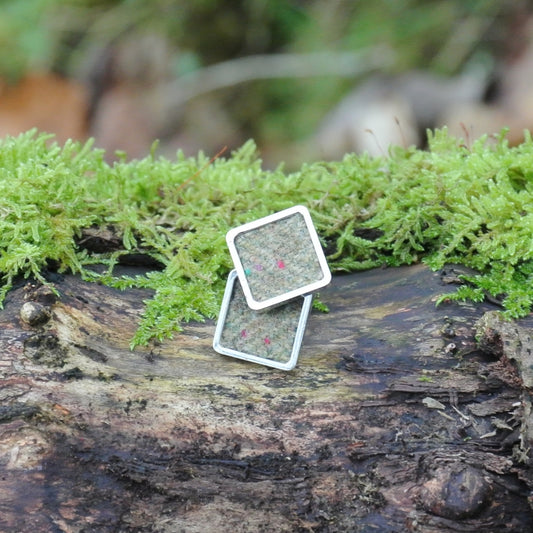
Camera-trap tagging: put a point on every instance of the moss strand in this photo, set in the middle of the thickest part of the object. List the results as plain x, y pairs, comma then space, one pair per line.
449, 204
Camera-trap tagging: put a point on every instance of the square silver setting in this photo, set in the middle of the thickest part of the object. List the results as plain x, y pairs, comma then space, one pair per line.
272, 337
278, 258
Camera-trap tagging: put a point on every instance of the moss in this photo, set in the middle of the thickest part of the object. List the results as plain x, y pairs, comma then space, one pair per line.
449, 204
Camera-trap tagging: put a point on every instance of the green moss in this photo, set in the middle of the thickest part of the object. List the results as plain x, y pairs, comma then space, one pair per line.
449, 204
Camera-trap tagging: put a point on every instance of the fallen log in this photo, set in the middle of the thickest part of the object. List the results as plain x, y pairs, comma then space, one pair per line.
400, 416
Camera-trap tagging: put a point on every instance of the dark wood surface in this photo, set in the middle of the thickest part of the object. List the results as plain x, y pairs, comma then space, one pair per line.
395, 419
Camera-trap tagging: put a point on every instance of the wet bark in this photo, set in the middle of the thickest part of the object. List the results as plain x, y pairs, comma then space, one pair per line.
400, 416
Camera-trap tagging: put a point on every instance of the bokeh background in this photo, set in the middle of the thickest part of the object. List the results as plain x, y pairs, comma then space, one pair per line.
307, 80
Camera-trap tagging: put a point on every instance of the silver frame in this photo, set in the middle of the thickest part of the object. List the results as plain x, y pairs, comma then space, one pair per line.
300, 291
291, 363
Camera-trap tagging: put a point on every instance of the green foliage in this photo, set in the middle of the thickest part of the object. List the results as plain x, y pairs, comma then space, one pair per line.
450, 204
24, 32
77, 37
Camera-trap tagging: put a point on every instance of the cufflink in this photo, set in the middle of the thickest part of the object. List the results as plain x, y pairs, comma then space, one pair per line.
278, 258
272, 337
278, 262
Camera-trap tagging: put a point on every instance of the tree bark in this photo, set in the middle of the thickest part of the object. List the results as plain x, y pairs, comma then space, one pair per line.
400, 416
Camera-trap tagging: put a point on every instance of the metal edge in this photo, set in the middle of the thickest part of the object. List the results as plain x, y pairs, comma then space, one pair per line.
298, 338
257, 305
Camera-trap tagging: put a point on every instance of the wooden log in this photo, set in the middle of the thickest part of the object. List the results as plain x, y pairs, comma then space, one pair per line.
395, 419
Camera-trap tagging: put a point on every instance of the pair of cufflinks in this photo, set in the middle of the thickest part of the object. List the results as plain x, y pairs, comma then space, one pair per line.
279, 263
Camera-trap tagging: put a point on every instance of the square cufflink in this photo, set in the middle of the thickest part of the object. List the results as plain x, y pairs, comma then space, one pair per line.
278, 258
271, 337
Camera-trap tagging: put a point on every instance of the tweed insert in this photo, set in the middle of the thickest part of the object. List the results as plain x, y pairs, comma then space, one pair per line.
270, 334
278, 257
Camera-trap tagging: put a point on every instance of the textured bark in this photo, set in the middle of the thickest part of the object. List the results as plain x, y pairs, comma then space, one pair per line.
395, 419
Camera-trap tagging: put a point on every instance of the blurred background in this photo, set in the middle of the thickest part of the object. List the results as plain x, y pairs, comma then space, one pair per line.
307, 80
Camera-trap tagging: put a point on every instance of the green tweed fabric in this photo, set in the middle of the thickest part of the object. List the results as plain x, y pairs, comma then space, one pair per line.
269, 334
278, 257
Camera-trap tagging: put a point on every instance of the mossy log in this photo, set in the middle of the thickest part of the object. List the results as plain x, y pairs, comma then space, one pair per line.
400, 416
